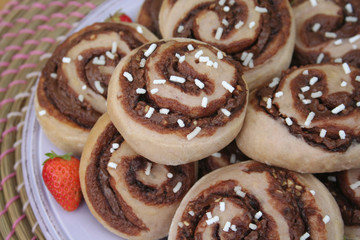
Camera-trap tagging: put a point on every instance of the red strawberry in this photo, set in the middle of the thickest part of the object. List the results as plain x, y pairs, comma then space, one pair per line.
61, 177
119, 17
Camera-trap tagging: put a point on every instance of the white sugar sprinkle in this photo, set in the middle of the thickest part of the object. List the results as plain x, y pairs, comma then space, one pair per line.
227, 86
208, 215
149, 112
194, 133
220, 55
42, 112
326, 219
180, 224
305, 72
274, 82
212, 220
83, 87
343, 84
225, 22
313, 3
288, 121
169, 175
322, 133
306, 101
239, 25
209, 63
305, 236
112, 165
233, 227
159, 81
346, 68
309, 118
222, 2
232, 158
190, 47
150, 50
227, 226
204, 59
180, 29
115, 145
342, 134
110, 55
354, 38
222, 206
313, 80
330, 35
219, 32
154, 90
268, 103
139, 29
164, 111
66, 60
226, 112
128, 76
248, 58
182, 59
279, 94
349, 8
80, 58
114, 47
140, 91
338, 42
198, 54
251, 64
231, 2
177, 55
320, 58
81, 98
191, 213
98, 87
177, 187
355, 185
148, 168
177, 79
316, 94
53, 75
252, 226
204, 102
357, 78
243, 56
331, 178
316, 27
358, 104
312, 192
301, 96
261, 9
217, 154
258, 215
239, 192
351, 19
215, 65
226, 8
338, 60
181, 123
142, 62
252, 24
199, 83
305, 89
112, 150
338, 109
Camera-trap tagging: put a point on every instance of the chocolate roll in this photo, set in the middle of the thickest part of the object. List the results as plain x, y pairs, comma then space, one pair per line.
344, 186
176, 101
327, 31
71, 94
250, 200
149, 15
307, 121
131, 196
258, 34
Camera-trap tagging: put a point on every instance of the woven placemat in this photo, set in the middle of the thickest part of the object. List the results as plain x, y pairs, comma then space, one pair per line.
29, 32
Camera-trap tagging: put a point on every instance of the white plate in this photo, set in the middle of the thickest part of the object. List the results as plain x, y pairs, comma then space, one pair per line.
55, 222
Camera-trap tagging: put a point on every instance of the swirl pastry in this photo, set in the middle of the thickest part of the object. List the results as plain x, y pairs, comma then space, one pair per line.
344, 186
131, 196
226, 156
327, 31
149, 15
175, 101
259, 34
250, 200
309, 122
72, 90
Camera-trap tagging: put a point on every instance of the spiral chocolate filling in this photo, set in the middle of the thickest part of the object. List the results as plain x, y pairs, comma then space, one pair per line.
56, 88
283, 186
349, 208
274, 21
208, 118
322, 107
